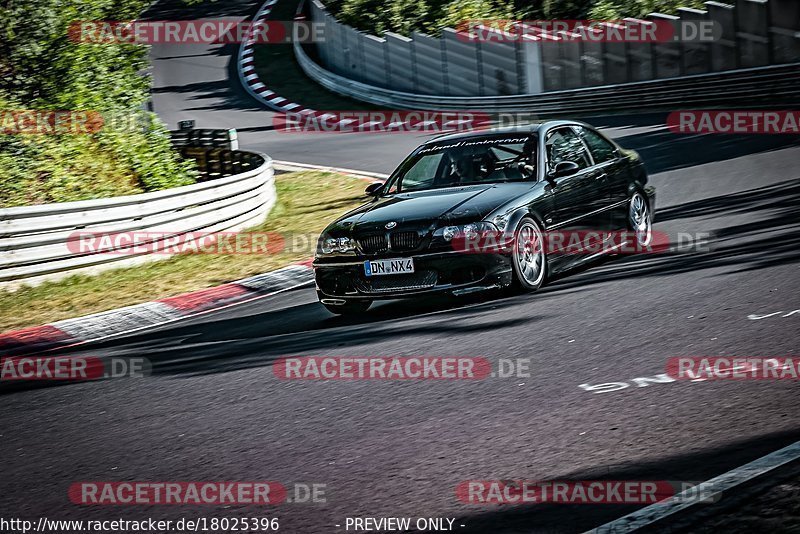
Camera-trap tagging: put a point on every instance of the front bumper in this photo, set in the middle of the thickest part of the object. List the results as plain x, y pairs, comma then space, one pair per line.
433, 273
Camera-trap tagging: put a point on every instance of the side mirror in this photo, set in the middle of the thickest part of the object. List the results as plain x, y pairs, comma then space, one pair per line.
373, 188
564, 168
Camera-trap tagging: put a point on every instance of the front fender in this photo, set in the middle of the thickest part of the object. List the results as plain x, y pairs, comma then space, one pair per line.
538, 212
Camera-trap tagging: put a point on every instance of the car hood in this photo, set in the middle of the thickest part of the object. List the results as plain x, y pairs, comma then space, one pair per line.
436, 207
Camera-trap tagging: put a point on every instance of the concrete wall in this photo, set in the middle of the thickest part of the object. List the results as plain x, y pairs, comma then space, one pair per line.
748, 33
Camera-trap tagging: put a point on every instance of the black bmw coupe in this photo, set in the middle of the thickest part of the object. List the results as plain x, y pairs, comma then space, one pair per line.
507, 190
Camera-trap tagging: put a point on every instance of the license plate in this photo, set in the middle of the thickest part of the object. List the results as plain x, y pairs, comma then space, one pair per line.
383, 267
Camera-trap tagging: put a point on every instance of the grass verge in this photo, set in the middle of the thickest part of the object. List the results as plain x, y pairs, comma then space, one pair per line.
307, 201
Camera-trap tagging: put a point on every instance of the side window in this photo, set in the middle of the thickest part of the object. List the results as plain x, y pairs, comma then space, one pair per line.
564, 144
600, 148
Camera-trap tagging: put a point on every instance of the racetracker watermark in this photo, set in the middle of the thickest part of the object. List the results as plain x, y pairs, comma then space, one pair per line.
199, 31
177, 493
468, 239
734, 122
379, 121
72, 368
596, 31
149, 525
49, 122
398, 368
733, 368
166, 242
472, 239
580, 492
71, 122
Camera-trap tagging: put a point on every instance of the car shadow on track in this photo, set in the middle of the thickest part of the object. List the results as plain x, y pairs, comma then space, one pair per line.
773, 239
258, 340
662, 150
692, 468
208, 94
202, 85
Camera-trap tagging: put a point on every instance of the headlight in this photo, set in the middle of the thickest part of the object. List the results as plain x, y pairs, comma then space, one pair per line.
449, 232
331, 245
501, 221
469, 231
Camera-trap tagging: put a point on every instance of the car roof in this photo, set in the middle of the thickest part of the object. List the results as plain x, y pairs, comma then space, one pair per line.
530, 127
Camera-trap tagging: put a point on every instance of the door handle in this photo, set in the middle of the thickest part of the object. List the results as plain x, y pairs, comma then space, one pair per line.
601, 176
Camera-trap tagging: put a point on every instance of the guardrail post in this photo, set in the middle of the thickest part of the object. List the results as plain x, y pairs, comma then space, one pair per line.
463, 74
531, 47
400, 62
696, 53
320, 16
723, 50
753, 23
754, 35
641, 58
785, 30
553, 76
429, 63
519, 63
668, 54
375, 67
499, 60
615, 57
479, 73
571, 64
592, 62
348, 52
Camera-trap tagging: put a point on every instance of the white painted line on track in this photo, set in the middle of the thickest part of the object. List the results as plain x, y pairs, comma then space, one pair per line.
296, 166
757, 317
710, 488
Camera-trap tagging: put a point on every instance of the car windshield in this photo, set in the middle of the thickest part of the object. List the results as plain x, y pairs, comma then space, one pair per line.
482, 160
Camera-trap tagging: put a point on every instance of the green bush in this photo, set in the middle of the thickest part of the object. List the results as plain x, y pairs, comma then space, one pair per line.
41, 68
616, 9
431, 16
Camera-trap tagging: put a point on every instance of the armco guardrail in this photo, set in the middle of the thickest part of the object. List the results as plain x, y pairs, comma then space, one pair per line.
750, 87
39, 242
484, 61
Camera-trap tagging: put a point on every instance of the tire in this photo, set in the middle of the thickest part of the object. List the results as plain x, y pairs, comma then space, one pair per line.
529, 263
351, 307
640, 219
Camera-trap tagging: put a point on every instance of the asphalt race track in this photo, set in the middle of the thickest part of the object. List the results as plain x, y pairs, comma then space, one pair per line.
213, 409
